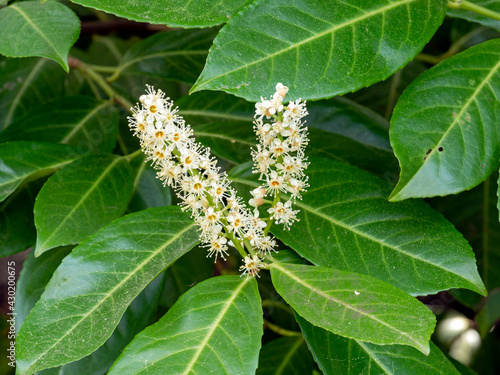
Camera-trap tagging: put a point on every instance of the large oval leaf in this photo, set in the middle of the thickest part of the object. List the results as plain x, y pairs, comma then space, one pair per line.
215, 327
346, 223
32, 29
82, 121
35, 275
493, 5
340, 355
354, 305
285, 356
177, 55
81, 198
93, 286
30, 160
444, 129
318, 48
175, 13
27, 83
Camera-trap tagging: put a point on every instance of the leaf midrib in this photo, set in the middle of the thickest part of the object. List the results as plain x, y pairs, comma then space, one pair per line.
140, 266
21, 91
355, 231
82, 122
343, 303
30, 21
215, 325
310, 39
289, 356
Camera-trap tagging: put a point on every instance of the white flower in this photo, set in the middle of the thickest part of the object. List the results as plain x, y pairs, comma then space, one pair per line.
252, 266
279, 157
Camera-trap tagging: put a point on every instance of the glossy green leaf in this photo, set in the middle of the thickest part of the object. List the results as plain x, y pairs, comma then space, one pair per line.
148, 190
319, 49
444, 129
93, 286
34, 276
214, 327
177, 55
80, 199
27, 83
468, 15
32, 29
285, 356
174, 13
354, 305
29, 160
346, 223
82, 121
17, 225
137, 317
340, 355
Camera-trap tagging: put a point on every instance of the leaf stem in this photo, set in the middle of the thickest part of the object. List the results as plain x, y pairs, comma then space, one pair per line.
279, 330
467, 5
133, 155
428, 58
102, 68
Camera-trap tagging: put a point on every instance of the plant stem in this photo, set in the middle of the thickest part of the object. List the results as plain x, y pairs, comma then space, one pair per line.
428, 58
279, 330
97, 78
134, 154
467, 5
101, 68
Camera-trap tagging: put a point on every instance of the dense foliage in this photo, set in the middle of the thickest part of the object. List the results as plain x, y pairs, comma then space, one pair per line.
346, 269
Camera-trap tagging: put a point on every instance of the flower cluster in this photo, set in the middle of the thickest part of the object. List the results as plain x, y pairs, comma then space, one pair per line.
279, 157
203, 189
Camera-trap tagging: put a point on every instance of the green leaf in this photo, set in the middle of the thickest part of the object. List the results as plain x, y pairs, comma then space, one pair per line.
93, 286
340, 355
78, 120
34, 276
354, 305
30, 160
137, 317
444, 128
177, 55
27, 83
32, 29
319, 49
174, 13
346, 223
17, 226
468, 15
90, 193
285, 356
148, 190
214, 327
